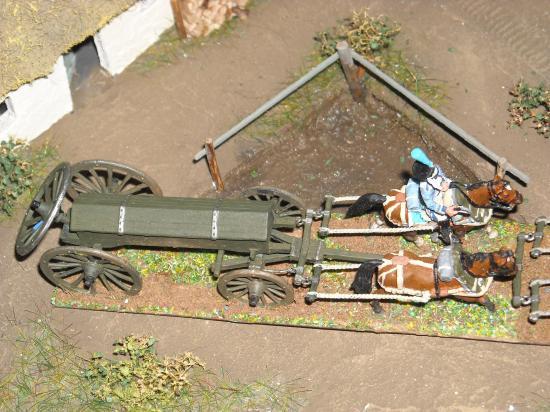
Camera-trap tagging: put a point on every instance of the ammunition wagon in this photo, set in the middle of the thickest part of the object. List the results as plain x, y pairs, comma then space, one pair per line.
103, 205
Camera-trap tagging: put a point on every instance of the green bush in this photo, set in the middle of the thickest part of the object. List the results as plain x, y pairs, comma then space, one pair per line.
530, 103
366, 35
373, 38
49, 374
16, 173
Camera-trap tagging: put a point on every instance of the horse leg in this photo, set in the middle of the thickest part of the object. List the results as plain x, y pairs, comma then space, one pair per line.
460, 232
410, 236
481, 300
362, 283
376, 306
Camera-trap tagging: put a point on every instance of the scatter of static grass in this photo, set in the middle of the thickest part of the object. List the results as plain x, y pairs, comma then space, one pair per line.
507, 231
46, 374
50, 375
454, 318
191, 268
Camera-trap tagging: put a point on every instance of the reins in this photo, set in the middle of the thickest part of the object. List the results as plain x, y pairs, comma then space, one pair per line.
463, 188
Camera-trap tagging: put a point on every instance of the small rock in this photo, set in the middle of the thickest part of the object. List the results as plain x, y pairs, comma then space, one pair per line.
492, 233
419, 241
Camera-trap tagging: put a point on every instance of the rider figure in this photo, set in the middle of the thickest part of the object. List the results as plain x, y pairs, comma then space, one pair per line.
431, 183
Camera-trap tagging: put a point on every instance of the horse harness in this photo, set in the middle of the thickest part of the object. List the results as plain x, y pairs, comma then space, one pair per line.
436, 280
493, 194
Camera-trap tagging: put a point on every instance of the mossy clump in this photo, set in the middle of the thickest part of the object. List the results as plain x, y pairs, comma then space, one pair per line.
530, 103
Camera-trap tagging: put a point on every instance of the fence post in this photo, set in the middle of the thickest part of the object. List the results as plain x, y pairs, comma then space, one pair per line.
178, 17
350, 71
213, 165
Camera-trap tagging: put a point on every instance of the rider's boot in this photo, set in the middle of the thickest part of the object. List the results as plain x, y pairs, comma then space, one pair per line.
445, 231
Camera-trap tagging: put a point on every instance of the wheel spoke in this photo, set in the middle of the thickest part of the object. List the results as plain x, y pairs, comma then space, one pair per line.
66, 273
84, 182
48, 193
63, 265
105, 283
274, 286
99, 181
239, 281
71, 258
119, 275
123, 183
116, 281
77, 281
278, 293
238, 295
57, 181
135, 189
109, 179
236, 288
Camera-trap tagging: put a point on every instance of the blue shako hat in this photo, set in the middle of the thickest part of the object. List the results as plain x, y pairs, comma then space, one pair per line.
422, 167
418, 154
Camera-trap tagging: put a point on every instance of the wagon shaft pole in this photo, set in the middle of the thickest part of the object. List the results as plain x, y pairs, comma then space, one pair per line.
349, 256
351, 71
213, 165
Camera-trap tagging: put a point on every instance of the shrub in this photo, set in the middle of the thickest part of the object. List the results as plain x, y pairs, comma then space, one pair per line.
16, 173
373, 37
367, 35
530, 103
48, 374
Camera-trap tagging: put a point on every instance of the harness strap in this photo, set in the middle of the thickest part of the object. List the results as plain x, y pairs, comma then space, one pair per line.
436, 280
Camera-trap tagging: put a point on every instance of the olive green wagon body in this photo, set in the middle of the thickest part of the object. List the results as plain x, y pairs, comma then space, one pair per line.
113, 206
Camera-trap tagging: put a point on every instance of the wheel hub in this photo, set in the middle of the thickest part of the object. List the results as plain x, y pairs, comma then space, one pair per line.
255, 291
42, 208
91, 272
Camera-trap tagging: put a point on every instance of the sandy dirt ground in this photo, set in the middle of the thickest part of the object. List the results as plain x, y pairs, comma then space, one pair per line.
158, 120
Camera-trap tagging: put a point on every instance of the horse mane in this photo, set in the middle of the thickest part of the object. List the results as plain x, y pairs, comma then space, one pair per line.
468, 259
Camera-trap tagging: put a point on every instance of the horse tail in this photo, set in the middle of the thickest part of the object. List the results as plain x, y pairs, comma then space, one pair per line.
365, 204
362, 283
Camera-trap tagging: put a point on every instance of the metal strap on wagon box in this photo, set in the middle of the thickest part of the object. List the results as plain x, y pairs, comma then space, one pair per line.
215, 218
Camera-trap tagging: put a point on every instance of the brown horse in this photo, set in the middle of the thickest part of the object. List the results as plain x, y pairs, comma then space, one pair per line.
405, 273
479, 198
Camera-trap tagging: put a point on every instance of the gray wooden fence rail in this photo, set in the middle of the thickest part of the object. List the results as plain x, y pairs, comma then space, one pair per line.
270, 103
388, 81
442, 120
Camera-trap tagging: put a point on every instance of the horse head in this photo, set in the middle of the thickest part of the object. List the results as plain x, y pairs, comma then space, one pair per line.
482, 264
496, 194
502, 195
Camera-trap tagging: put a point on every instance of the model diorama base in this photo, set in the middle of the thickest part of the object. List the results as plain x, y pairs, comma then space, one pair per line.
178, 283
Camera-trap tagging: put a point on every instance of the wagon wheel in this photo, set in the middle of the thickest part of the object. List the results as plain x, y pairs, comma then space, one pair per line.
103, 176
255, 287
77, 268
286, 204
43, 209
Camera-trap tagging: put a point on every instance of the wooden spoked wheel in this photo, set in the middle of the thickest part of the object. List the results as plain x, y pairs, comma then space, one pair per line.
79, 269
43, 210
286, 204
103, 176
255, 287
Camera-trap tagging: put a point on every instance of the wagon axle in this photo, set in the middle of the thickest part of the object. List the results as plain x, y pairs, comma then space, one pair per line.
91, 270
255, 291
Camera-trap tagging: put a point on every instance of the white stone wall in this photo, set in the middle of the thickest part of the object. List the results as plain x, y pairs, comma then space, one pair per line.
36, 106
128, 35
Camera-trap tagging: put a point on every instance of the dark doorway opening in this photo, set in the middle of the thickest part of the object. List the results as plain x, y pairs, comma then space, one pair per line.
84, 71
